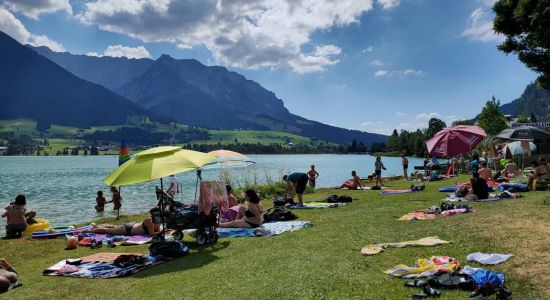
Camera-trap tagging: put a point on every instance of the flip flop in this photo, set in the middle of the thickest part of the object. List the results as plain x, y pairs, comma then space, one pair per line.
415, 283
427, 291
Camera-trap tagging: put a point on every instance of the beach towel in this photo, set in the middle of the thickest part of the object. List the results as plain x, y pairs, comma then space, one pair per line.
451, 212
425, 267
311, 205
390, 192
453, 198
120, 240
373, 249
488, 259
370, 188
447, 189
102, 265
267, 229
417, 215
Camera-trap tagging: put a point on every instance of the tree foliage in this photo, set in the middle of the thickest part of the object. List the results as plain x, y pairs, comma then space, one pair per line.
435, 125
526, 26
491, 119
462, 122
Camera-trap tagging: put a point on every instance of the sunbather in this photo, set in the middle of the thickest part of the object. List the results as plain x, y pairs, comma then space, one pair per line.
511, 170
147, 227
352, 184
540, 172
479, 189
485, 172
251, 217
16, 217
8, 275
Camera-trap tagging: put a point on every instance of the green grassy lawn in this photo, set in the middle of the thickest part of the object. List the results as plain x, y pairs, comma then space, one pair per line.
322, 262
19, 126
62, 130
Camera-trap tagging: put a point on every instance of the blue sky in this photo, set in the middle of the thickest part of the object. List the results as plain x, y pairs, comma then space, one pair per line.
372, 65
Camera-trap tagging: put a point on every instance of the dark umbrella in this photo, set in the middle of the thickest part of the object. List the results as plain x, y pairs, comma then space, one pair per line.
524, 133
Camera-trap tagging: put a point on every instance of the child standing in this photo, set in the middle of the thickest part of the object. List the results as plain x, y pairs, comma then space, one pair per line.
116, 200
100, 201
15, 214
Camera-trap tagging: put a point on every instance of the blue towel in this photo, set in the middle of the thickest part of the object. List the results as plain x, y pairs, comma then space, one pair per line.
267, 229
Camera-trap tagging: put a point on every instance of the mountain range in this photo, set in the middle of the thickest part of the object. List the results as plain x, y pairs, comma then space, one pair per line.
32, 86
187, 91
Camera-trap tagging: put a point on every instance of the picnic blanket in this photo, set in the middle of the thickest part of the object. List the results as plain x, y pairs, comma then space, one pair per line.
391, 192
488, 259
267, 229
311, 205
425, 267
373, 249
101, 265
453, 198
417, 215
124, 240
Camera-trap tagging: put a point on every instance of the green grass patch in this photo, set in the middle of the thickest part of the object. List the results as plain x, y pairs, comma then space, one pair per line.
322, 262
19, 126
254, 136
62, 130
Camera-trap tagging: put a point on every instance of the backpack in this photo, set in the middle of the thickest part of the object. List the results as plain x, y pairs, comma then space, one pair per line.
344, 198
170, 249
282, 201
376, 188
278, 213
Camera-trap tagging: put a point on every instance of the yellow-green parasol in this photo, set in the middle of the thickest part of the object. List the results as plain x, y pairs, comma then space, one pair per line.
156, 163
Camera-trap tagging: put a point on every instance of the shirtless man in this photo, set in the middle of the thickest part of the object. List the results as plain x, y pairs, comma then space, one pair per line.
354, 183
540, 172
485, 172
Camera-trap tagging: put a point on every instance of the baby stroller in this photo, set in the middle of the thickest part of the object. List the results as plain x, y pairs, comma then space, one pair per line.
204, 217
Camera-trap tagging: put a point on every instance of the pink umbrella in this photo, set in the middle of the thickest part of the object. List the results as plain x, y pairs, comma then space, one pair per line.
455, 140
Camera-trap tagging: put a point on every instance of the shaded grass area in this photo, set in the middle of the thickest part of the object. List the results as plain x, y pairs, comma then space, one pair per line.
322, 262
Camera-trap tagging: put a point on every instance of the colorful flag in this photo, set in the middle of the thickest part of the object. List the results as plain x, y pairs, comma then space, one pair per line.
123, 154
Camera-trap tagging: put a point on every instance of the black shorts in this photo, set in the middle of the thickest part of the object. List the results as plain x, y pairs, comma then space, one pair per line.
301, 184
128, 227
378, 172
405, 166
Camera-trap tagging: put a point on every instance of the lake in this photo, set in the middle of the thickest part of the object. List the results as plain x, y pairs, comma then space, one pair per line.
63, 188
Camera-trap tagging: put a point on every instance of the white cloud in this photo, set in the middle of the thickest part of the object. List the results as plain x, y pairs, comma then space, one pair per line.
33, 8
399, 73
369, 49
400, 114
240, 33
389, 4
10, 25
123, 51
367, 124
42, 40
341, 86
480, 25
377, 63
427, 116
184, 46
380, 73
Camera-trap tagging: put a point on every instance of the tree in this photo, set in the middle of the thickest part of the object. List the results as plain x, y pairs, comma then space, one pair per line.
491, 118
462, 122
435, 125
522, 119
532, 118
525, 24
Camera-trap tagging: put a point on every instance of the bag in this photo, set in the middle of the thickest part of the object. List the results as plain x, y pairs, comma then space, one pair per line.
279, 213
461, 192
282, 201
170, 249
376, 188
127, 260
332, 199
344, 198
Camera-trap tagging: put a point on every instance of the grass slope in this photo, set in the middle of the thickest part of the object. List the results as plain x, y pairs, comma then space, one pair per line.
322, 262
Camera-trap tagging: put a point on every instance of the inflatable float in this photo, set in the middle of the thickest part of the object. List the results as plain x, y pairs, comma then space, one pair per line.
59, 231
40, 224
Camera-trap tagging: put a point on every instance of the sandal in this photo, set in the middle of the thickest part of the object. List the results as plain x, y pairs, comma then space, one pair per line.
415, 283
427, 291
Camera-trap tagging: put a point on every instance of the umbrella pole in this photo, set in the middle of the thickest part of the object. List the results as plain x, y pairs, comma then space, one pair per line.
118, 210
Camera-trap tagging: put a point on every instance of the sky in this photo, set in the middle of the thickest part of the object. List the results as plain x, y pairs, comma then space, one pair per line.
371, 65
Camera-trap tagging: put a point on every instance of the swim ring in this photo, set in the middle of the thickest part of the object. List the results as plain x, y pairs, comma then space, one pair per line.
40, 224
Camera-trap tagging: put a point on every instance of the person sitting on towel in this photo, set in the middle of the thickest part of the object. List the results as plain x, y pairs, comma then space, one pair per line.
147, 227
8, 276
540, 172
485, 172
352, 184
511, 170
248, 217
479, 189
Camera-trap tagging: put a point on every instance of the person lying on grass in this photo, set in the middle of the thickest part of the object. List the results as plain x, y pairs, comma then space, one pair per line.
352, 184
251, 217
146, 227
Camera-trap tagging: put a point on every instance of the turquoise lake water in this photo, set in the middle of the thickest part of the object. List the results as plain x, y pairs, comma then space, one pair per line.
63, 189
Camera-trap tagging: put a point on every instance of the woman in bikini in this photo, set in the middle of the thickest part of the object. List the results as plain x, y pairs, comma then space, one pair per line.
312, 176
147, 227
251, 217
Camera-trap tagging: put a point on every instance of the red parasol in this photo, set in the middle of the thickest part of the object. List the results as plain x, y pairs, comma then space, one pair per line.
455, 140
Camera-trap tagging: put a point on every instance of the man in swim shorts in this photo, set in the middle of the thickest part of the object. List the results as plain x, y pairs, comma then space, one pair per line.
8, 276
296, 182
